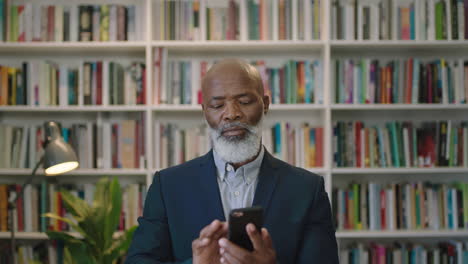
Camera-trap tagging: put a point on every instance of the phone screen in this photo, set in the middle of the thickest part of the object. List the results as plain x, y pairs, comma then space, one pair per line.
238, 220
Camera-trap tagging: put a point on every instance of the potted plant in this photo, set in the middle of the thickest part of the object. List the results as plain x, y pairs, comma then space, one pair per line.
95, 225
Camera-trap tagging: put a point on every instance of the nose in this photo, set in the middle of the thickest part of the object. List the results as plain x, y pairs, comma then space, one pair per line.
232, 112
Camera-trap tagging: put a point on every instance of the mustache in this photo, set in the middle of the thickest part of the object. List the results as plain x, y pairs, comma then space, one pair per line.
227, 126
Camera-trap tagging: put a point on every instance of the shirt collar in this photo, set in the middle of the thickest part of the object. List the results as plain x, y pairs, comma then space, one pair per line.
250, 169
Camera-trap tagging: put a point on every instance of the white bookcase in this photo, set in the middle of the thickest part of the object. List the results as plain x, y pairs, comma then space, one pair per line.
325, 114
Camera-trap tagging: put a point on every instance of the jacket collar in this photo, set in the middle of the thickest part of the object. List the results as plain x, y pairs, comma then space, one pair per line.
267, 180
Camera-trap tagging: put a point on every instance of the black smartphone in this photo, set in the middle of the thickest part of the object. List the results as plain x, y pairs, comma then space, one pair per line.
238, 220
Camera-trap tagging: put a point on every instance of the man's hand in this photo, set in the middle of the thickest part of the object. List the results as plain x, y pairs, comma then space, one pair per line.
205, 248
263, 252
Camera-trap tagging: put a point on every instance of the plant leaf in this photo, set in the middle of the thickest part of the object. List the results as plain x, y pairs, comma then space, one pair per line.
72, 224
112, 219
76, 247
74, 205
56, 235
101, 208
121, 245
66, 220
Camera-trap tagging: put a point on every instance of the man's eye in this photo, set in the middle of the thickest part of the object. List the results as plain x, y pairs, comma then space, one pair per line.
217, 106
245, 102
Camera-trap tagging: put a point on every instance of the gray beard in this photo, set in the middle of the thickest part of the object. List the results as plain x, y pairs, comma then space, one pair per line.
235, 149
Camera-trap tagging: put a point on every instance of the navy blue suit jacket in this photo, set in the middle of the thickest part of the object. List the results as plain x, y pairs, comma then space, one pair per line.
183, 199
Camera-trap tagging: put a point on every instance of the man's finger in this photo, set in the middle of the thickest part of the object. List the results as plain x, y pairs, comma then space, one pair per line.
221, 232
199, 243
233, 249
208, 230
255, 236
266, 238
227, 258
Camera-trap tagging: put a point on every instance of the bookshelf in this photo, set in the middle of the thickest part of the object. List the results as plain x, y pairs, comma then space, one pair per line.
326, 49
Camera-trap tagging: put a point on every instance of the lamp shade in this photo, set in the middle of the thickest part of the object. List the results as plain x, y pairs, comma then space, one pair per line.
59, 157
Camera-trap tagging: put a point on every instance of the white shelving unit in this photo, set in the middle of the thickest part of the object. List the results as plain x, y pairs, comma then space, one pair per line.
39, 235
325, 49
447, 234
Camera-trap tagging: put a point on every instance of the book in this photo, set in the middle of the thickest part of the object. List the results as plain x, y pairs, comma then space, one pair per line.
400, 205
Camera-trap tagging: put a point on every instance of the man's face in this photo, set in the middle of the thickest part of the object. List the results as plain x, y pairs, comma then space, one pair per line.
233, 97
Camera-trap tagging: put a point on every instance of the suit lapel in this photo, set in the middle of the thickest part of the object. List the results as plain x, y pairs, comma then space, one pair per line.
209, 184
267, 180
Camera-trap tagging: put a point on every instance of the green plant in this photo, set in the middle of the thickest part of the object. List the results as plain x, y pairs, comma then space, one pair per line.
95, 224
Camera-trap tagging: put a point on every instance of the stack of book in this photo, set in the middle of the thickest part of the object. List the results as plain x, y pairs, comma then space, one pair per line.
400, 144
418, 205
101, 145
14, 146
22, 145
400, 20
411, 253
263, 14
127, 147
177, 145
43, 252
180, 20
293, 82
88, 83
410, 81
177, 20
222, 20
44, 22
45, 197
299, 145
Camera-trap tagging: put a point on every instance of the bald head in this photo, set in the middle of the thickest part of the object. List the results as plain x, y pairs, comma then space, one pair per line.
233, 71
233, 92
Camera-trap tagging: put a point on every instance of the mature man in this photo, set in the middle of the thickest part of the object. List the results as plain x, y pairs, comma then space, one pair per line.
187, 205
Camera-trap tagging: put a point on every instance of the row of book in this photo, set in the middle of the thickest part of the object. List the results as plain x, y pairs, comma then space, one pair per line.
261, 17
181, 20
400, 20
59, 84
176, 144
222, 20
177, 20
370, 253
264, 19
417, 205
42, 252
300, 145
291, 82
50, 252
400, 144
46, 197
41, 22
101, 145
410, 81
453, 251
